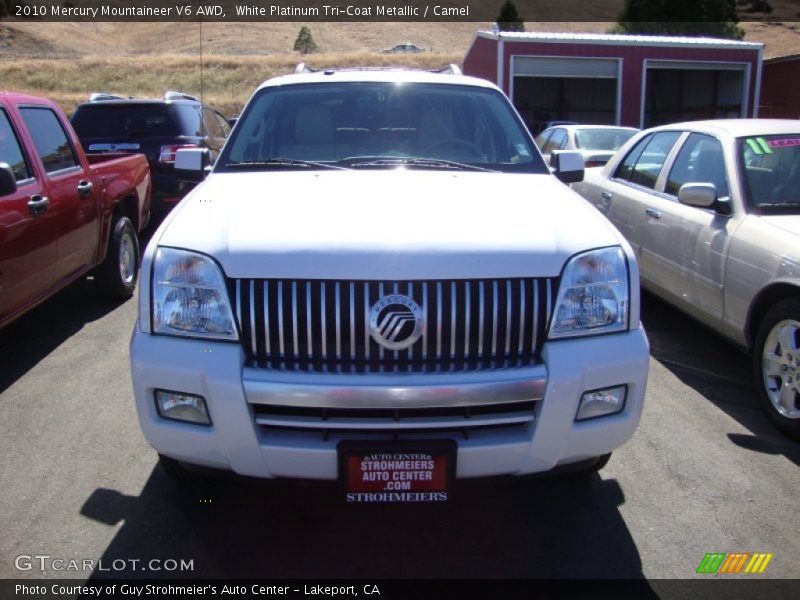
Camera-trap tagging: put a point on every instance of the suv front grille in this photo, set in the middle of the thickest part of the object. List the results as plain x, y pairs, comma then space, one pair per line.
459, 420
322, 325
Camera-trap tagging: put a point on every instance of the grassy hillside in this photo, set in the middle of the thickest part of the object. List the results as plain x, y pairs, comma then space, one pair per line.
67, 61
228, 81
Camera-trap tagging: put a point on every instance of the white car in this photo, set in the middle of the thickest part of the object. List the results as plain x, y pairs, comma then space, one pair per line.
597, 143
712, 210
381, 282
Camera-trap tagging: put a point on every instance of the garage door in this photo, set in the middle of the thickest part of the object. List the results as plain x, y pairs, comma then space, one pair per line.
677, 91
583, 90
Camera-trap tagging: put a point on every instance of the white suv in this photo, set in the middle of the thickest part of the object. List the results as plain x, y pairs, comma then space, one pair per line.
381, 282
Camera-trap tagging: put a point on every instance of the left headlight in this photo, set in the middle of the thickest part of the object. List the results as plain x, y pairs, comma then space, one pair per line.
189, 296
593, 296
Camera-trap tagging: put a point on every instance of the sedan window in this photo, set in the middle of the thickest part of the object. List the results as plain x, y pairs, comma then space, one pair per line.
644, 162
556, 141
699, 161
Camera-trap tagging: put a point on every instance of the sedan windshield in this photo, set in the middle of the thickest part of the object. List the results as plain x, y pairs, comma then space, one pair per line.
380, 125
602, 139
771, 171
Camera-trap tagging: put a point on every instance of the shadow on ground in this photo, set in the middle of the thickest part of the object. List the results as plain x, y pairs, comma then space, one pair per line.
716, 369
556, 527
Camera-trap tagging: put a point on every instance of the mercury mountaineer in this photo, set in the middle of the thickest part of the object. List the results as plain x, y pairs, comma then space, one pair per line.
380, 282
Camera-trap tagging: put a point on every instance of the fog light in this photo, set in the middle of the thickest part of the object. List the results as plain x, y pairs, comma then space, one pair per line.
182, 407
600, 403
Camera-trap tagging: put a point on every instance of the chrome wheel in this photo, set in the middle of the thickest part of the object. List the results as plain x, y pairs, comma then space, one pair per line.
127, 258
780, 368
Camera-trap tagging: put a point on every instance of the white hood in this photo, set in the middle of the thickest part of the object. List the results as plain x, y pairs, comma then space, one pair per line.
390, 225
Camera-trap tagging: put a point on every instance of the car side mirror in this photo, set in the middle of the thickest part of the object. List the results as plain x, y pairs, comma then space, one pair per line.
192, 164
567, 165
8, 182
232, 121
701, 195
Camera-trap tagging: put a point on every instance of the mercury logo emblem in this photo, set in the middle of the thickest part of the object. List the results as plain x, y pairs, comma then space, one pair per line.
396, 322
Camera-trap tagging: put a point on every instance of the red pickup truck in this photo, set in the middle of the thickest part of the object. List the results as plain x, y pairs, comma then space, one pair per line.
63, 213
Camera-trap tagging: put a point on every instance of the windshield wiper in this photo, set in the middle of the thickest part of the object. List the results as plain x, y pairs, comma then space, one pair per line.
282, 162
406, 161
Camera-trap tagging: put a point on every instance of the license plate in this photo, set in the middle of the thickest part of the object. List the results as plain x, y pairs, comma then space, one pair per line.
395, 472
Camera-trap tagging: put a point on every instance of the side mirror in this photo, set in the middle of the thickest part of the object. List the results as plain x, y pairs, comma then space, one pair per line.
232, 121
8, 182
701, 195
567, 165
192, 164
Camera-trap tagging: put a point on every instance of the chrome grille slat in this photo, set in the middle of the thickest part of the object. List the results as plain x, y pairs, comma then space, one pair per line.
280, 319
438, 320
295, 341
481, 315
338, 324
366, 314
453, 314
425, 312
322, 310
309, 343
508, 317
494, 318
467, 319
254, 339
352, 320
521, 316
536, 312
469, 324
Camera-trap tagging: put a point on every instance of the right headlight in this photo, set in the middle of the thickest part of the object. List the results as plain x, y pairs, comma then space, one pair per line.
189, 296
593, 297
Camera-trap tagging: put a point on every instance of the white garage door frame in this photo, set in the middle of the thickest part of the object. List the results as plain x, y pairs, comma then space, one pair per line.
704, 65
567, 72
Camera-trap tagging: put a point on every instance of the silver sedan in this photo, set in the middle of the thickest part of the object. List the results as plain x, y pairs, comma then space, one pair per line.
712, 210
597, 143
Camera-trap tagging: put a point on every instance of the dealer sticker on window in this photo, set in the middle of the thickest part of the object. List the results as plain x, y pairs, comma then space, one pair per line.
382, 473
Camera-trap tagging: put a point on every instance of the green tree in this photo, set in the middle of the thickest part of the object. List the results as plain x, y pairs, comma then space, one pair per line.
716, 18
305, 43
508, 19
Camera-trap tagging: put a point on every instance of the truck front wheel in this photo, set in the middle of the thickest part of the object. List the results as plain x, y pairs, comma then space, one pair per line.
776, 365
116, 277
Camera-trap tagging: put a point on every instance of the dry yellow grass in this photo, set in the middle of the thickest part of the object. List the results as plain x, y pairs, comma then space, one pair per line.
67, 61
228, 81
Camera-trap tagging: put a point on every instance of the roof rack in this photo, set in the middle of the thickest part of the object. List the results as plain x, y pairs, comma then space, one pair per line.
171, 95
99, 96
451, 69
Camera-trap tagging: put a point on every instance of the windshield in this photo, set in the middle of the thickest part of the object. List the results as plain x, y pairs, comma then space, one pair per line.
602, 139
771, 171
125, 121
380, 125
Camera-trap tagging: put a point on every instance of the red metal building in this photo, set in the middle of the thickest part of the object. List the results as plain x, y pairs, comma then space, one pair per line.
634, 80
780, 91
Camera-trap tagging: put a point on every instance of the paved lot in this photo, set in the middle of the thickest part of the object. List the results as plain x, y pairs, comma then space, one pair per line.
705, 472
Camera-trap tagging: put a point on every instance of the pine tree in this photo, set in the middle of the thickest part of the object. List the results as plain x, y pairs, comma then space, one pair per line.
508, 19
305, 43
715, 18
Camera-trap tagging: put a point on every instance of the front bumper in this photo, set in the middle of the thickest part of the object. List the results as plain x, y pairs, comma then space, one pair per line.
244, 440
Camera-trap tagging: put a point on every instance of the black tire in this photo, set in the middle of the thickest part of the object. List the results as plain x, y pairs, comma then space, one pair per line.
178, 473
582, 468
601, 462
783, 410
114, 280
